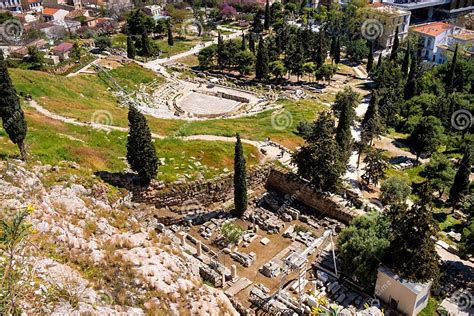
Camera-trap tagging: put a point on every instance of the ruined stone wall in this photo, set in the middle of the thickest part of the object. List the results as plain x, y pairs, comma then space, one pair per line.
299, 190
205, 193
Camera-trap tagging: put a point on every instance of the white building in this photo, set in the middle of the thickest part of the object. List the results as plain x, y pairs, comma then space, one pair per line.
407, 297
10, 5
436, 38
461, 37
390, 18
53, 14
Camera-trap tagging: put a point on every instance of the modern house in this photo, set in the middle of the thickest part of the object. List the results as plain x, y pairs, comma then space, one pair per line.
407, 297
436, 38
53, 14
461, 37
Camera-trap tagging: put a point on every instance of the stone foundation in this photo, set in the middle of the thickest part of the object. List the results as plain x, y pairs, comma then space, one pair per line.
300, 190
202, 193
197, 196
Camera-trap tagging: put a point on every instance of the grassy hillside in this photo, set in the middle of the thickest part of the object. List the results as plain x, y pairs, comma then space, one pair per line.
81, 96
51, 142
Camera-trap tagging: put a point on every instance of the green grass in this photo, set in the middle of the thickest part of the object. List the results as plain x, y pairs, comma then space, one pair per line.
430, 309
411, 175
180, 46
119, 40
449, 222
81, 96
132, 75
52, 142
259, 126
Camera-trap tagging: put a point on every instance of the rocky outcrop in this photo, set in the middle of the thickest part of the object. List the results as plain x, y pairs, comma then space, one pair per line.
92, 255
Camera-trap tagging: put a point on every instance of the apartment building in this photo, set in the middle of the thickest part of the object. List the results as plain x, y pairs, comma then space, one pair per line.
390, 18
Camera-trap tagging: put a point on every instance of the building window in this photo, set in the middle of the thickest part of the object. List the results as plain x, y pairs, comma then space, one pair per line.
421, 300
429, 43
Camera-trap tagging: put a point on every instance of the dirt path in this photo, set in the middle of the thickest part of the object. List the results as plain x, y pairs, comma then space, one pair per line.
268, 151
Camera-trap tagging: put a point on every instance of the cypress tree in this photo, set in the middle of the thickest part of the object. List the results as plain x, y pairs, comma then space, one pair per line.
257, 26
252, 42
370, 59
141, 154
396, 44
13, 118
240, 179
332, 50
243, 41
320, 53
343, 131
131, 51
379, 62
452, 70
372, 122
337, 52
461, 182
266, 23
146, 46
170, 35
261, 67
406, 61
220, 51
411, 88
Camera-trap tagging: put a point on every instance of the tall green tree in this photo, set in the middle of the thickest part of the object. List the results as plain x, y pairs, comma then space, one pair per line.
412, 254
375, 166
141, 154
147, 50
257, 26
131, 51
319, 159
372, 125
262, 64
337, 52
170, 34
379, 61
370, 59
252, 42
406, 61
394, 191
395, 46
461, 182
332, 50
13, 118
343, 130
362, 244
427, 136
220, 52
266, 23
452, 70
439, 172
240, 178
411, 87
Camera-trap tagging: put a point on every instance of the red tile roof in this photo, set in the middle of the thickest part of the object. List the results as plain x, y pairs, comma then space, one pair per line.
50, 11
63, 47
433, 29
